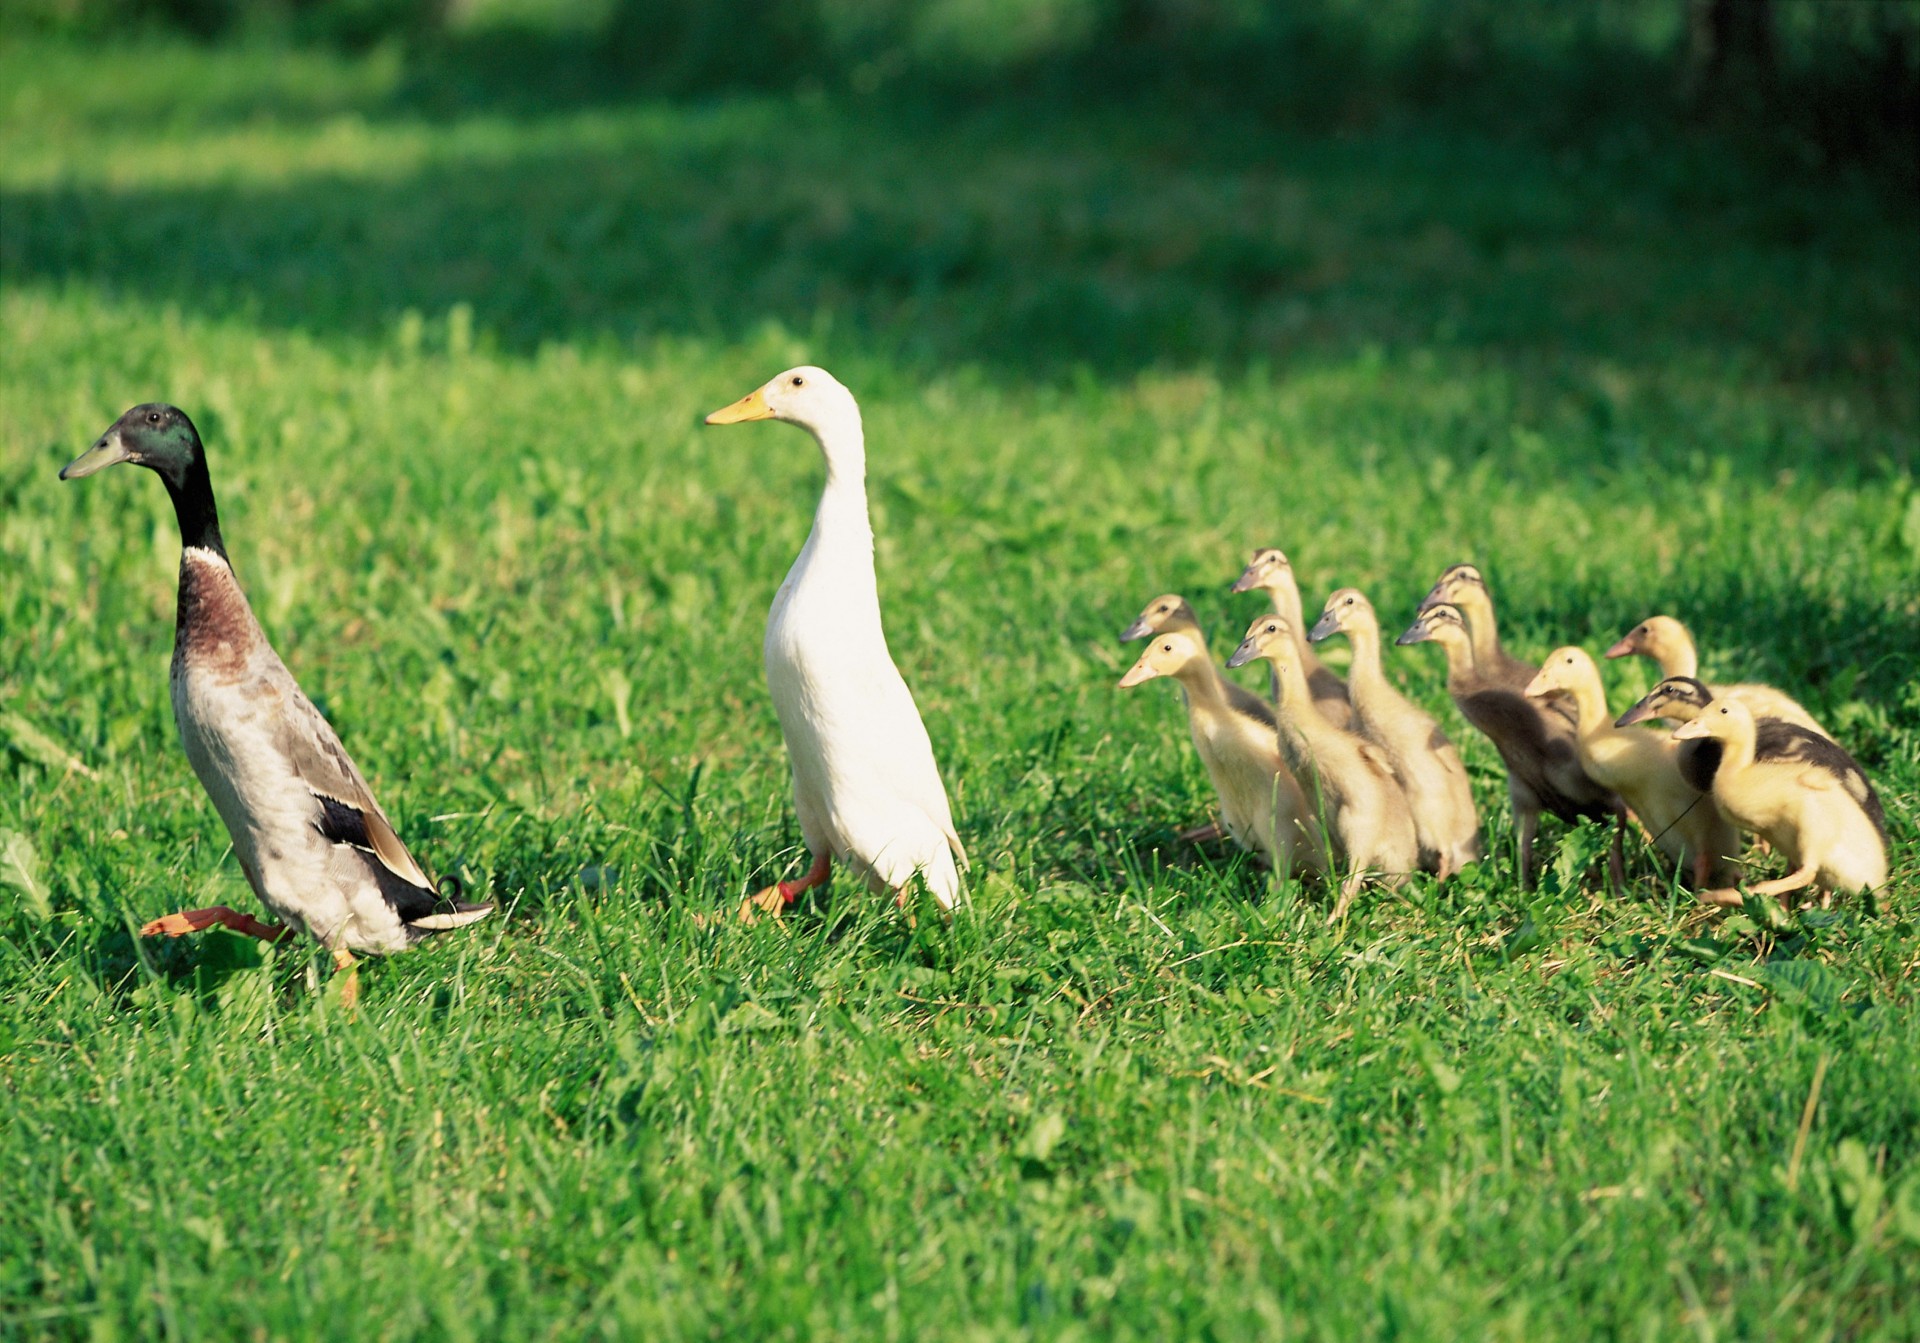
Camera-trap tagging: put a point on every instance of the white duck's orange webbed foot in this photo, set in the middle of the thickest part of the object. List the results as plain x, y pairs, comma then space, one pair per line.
772, 902
197, 920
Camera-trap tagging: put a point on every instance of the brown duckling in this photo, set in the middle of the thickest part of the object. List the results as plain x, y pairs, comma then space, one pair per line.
1463, 587
1261, 804
1428, 767
1641, 767
1667, 642
1538, 748
1820, 812
1271, 572
1349, 781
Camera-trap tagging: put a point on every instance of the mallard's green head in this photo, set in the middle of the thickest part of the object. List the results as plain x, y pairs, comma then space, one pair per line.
156, 436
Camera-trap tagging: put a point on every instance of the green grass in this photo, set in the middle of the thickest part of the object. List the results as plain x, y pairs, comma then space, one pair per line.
449, 344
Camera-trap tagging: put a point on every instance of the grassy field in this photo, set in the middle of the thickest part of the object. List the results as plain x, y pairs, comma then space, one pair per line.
449, 342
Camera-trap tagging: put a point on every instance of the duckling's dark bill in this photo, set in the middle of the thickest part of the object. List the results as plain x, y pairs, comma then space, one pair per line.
110, 450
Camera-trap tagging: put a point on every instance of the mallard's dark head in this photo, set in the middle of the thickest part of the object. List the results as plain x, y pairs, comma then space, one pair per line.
156, 436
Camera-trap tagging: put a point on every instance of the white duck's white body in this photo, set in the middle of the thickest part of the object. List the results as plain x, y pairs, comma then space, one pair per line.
865, 784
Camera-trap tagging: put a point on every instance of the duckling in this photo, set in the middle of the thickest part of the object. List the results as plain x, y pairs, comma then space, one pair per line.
313, 844
1353, 788
1640, 767
1260, 800
1679, 699
1463, 587
1272, 572
1538, 748
866, 787
1819, 811
1170, 611
1667, 642
1425, 762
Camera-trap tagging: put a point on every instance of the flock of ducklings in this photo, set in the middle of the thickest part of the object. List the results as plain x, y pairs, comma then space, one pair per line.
1345, 779
1349, 780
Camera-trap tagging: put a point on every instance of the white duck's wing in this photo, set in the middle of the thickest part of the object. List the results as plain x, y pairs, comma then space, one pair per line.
914, 771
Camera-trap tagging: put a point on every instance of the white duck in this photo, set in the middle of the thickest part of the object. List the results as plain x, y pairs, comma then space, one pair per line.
313, 843
865, 784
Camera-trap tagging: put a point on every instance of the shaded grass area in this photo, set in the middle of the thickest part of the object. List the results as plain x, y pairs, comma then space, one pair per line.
449, 361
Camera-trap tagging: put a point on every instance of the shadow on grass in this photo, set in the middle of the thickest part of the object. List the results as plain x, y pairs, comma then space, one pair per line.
1026, 233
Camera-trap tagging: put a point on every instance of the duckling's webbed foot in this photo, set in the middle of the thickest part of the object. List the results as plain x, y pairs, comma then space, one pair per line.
196, 920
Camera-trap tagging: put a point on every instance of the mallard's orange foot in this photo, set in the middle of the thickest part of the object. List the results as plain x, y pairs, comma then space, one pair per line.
214, 916
349, 971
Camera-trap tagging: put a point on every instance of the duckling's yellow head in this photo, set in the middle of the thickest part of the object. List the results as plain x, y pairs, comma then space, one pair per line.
1677, 699
806, 396
1564, 671
1344, 610
1267, 637
1268, 568
1168, 654
1654, 637
1722, 719
1168, 611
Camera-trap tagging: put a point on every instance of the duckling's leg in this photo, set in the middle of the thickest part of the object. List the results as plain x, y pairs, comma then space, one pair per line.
1526, 823
1793, 881
1617, 854
1347, 889
1203, 834
194, 920
775, 898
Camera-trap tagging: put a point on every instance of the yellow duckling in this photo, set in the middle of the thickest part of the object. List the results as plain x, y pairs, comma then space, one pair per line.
1423, 760
1271, 572
1667, 642
1261, 804
1351, 782
1643, 769
1818, 810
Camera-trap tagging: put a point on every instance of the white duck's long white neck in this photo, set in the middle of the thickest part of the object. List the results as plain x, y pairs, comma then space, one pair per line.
838, 555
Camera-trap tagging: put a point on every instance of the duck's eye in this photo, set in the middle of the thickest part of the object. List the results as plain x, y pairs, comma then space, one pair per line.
153, 417
799, 381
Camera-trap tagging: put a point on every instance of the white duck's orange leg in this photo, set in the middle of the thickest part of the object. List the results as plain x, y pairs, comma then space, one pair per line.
775, 898
195, 920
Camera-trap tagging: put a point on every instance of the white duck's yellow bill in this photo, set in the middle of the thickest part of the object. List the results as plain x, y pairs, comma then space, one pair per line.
752, 406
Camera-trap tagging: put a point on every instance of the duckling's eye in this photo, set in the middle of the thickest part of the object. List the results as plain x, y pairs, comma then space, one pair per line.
1723, 711
1166, 648
799, 381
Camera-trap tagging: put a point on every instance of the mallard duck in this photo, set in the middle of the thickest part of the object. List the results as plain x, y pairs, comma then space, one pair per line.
1641, 767
1349, 782
1817, 810
1271, 572
314, 845
865, 784
1537, 747
1261, 803
1679, 699
1667, 642
1438, 792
